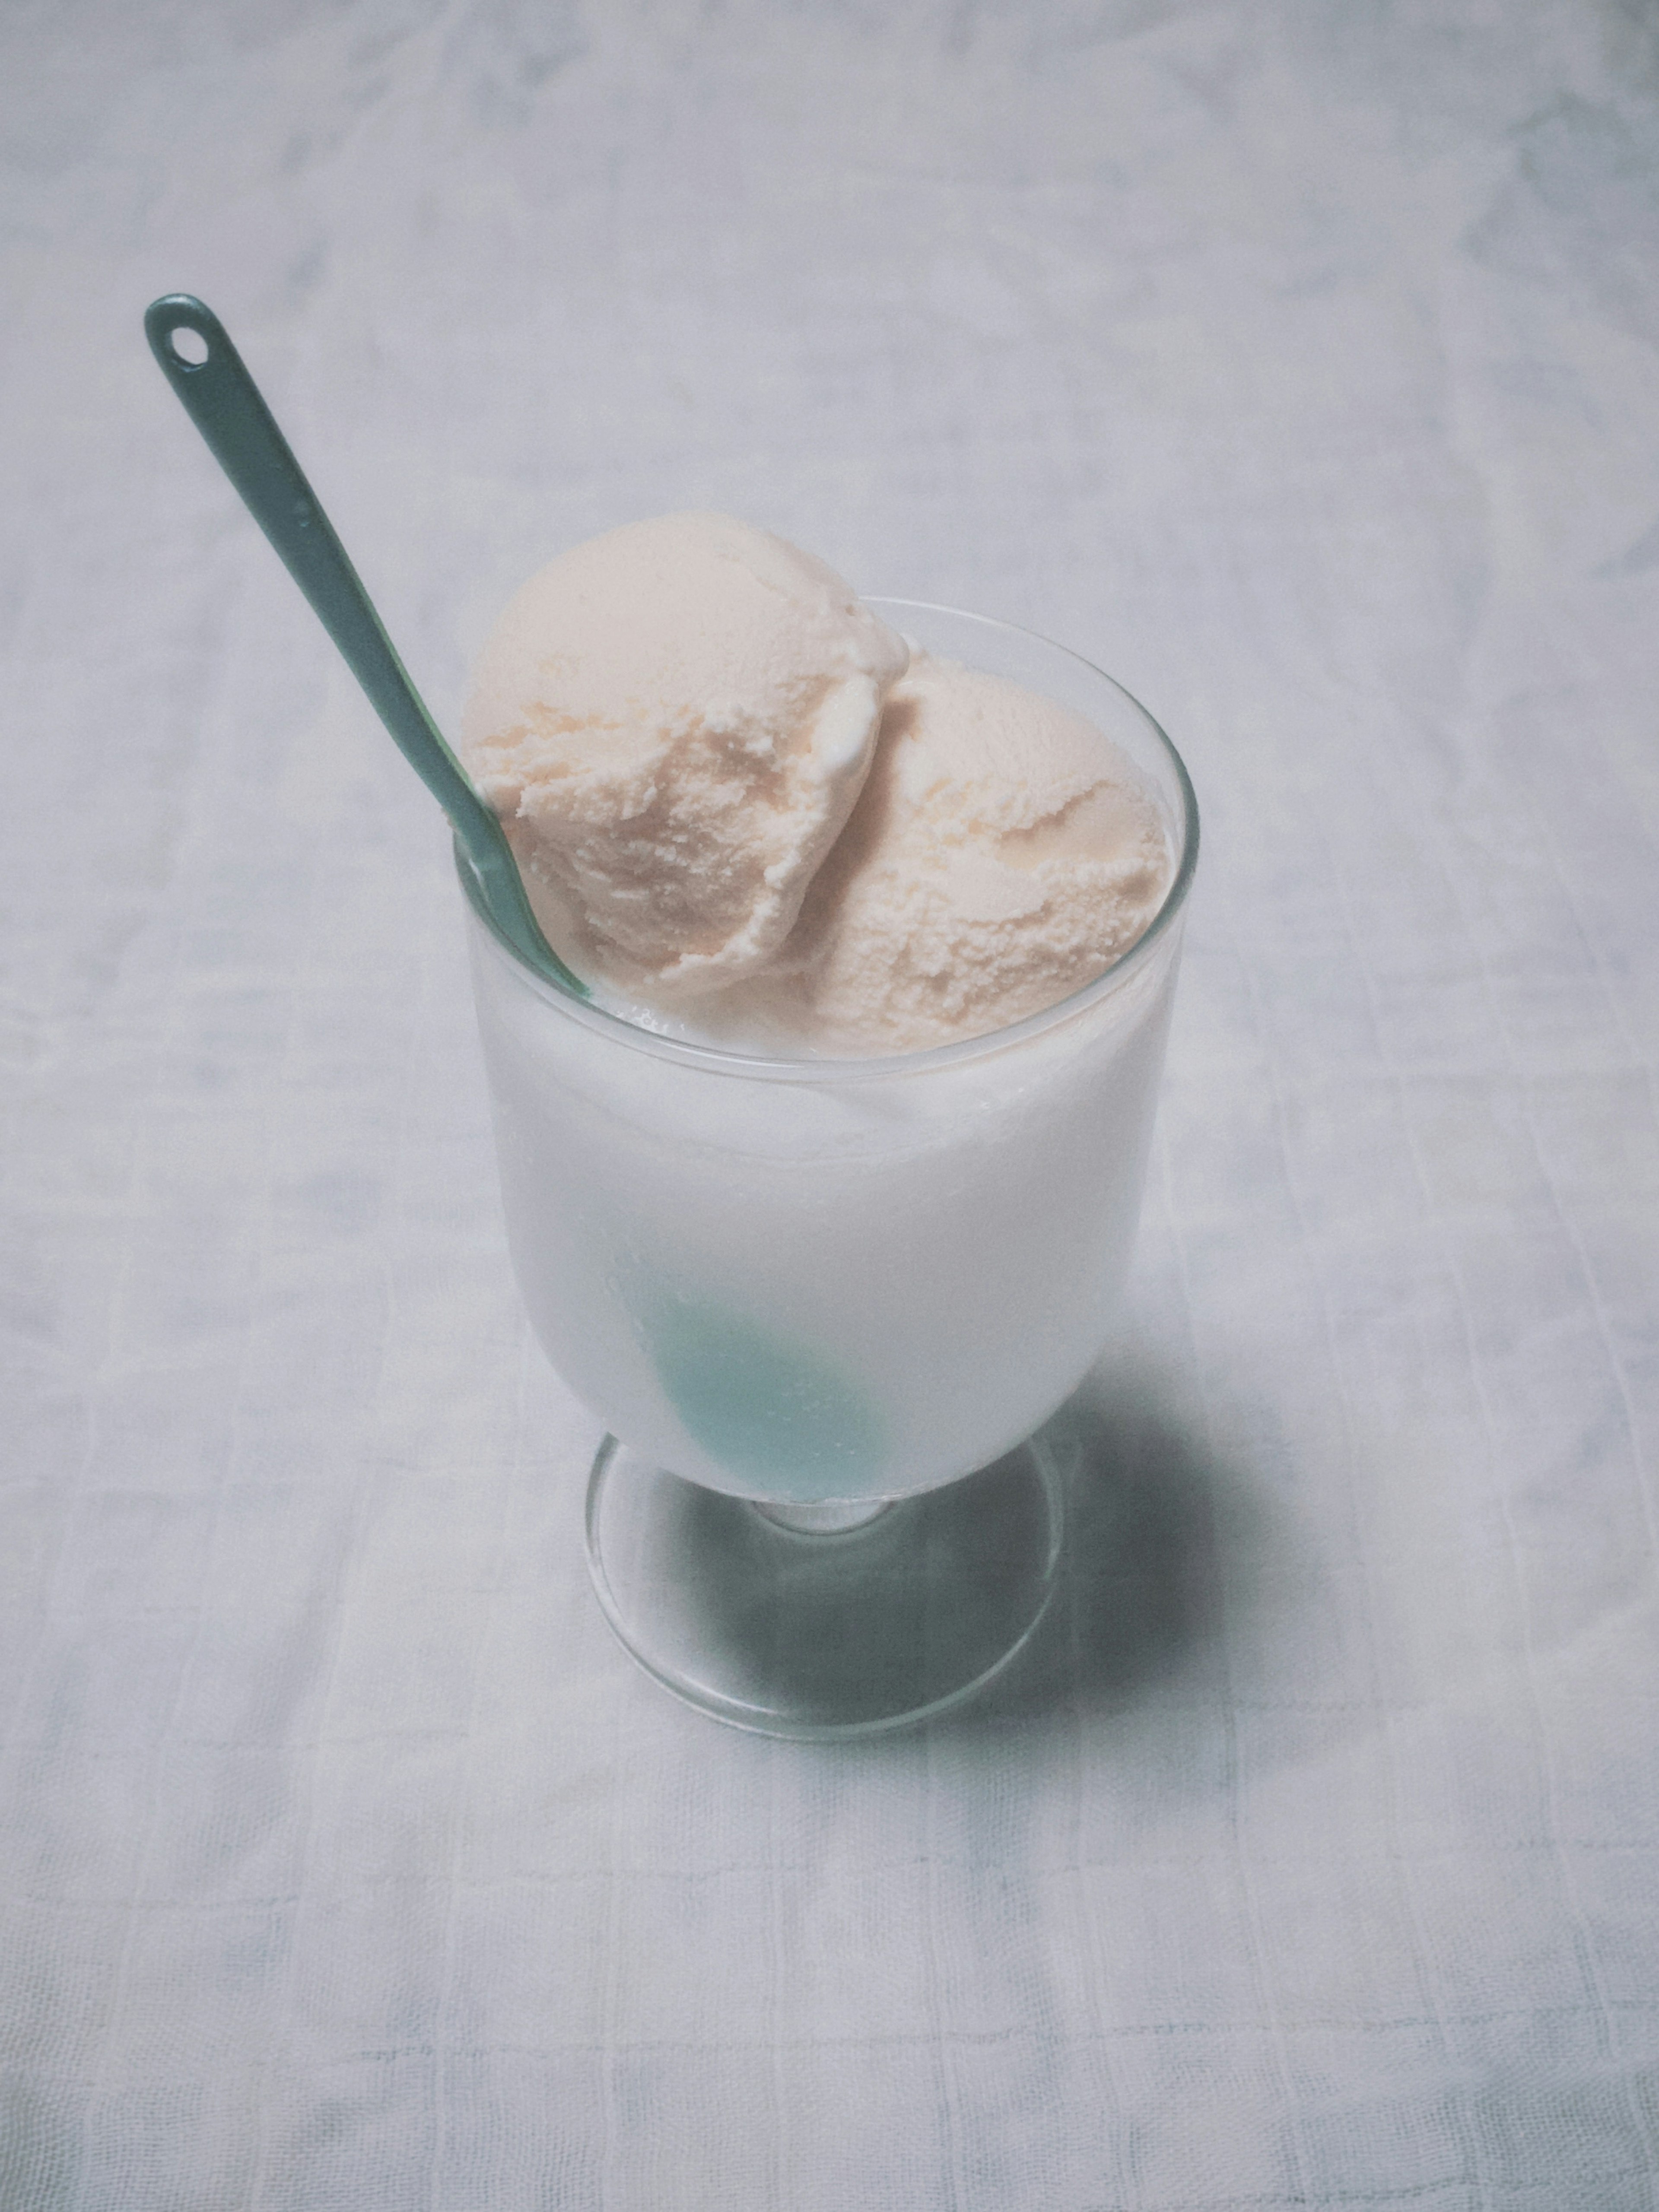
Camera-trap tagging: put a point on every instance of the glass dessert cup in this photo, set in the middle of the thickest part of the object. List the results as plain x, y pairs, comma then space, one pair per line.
825, 1307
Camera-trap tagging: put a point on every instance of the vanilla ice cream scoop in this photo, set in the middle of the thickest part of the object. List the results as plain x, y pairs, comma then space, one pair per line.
674, 722
1003, 853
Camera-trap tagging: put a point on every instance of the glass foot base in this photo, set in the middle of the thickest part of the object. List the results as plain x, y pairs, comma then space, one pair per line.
823, 1621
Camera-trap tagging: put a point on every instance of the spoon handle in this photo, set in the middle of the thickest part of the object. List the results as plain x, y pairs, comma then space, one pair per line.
226, 407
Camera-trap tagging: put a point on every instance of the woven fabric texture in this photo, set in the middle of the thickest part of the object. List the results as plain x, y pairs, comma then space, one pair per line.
1297, 362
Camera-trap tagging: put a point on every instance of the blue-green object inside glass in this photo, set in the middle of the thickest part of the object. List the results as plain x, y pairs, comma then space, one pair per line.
770, 1412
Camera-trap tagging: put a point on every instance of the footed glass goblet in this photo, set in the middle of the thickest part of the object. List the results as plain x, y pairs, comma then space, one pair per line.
825, 1307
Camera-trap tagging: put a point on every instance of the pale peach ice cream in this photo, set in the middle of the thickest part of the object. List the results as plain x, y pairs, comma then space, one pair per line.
674, 721
736, 805
1002, 855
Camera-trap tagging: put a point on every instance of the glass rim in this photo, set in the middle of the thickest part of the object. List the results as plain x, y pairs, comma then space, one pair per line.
723, 1060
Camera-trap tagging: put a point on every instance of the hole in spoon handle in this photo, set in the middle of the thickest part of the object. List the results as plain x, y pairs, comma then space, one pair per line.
185, 335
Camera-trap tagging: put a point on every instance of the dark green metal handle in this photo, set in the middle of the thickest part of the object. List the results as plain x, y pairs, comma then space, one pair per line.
226, 406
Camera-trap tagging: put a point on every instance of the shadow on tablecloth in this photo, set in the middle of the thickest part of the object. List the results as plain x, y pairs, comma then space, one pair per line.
1164, 1545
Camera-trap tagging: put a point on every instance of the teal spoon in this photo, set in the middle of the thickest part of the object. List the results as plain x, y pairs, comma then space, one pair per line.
204, 368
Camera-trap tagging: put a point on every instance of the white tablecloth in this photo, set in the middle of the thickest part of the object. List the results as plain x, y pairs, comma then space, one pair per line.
1296, 362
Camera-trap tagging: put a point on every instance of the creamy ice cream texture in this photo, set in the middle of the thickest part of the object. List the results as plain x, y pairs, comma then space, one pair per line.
674, 721
724, 785
1002, 855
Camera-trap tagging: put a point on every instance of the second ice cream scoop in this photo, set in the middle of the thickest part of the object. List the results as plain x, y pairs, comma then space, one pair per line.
1003, 853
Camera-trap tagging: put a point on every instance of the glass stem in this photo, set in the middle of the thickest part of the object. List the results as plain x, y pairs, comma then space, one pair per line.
826, 1519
